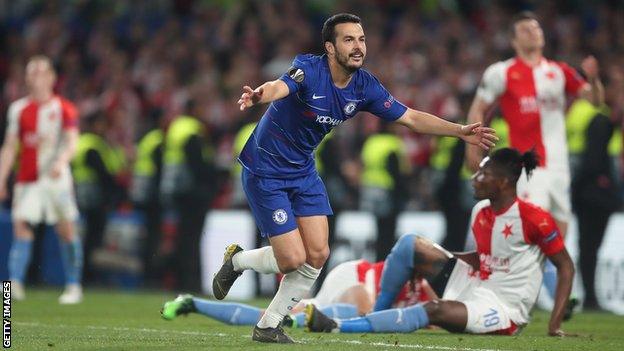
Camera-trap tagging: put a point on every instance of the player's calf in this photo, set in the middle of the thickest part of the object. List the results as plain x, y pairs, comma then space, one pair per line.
398, 320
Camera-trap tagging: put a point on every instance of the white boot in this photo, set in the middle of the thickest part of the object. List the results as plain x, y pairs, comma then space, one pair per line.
71, 295
18, 293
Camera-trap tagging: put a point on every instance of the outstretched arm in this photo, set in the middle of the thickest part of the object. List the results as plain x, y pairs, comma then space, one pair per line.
266, 93
565, 274
422, 122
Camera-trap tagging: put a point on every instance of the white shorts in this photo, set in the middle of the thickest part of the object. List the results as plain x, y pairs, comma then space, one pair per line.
343, 277
486, 313
549, 190
46, 200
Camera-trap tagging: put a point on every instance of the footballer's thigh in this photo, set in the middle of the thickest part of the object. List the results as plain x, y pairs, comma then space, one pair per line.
23, 230
314, 233
486, 314
562, 204
549, 190
28, 203
311, 208
481, 312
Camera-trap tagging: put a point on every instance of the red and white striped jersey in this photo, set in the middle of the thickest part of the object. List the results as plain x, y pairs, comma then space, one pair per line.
369, 274
533, 100
512, 245
39, 128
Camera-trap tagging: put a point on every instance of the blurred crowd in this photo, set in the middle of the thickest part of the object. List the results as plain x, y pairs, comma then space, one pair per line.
140, 64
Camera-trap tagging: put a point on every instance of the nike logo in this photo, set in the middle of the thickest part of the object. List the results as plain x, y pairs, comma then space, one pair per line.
316, 97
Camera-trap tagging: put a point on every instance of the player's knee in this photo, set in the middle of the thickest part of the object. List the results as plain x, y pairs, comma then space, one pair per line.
317, 258
23, 230
404, 246
407, 241
290, 262
422, 244
66, 232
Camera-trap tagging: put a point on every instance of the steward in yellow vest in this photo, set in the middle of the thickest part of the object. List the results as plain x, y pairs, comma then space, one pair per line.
580, 115
187, 161
595, 186
147, 168
384, 184
95, 167
188, 186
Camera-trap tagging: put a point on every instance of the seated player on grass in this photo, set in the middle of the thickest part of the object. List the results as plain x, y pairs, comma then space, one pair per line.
491, 290
348, 291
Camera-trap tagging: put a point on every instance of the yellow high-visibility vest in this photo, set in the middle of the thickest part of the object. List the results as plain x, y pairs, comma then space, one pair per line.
239, 142
144, 164
89, 141
375, 152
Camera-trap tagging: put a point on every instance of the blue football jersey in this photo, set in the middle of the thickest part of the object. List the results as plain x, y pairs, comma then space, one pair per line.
283, 143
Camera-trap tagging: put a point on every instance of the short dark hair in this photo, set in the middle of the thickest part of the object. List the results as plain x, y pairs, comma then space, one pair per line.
519, 17
509, 162
329, 27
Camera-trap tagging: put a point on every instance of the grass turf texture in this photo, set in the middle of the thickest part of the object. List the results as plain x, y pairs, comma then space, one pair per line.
131, 321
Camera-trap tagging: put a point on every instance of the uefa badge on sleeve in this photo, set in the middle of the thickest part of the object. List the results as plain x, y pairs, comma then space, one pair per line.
296, 74
280, 216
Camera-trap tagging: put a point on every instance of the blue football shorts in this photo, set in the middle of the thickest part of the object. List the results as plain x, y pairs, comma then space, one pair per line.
275, 202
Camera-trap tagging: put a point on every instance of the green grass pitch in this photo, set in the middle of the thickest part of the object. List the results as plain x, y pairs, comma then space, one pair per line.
131, 321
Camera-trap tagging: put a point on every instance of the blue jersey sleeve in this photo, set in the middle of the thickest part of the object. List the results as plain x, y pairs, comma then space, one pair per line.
381, 103
299, 74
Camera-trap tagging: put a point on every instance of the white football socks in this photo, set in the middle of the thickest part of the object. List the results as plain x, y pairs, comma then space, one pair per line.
260, 260
293, 288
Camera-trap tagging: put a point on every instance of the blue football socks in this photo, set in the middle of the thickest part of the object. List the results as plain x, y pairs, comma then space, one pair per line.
398, 320
19, 258
398, 269
71, 254
228, 312
338, 310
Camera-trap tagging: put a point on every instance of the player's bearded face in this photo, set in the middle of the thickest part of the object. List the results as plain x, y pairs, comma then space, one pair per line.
350, 47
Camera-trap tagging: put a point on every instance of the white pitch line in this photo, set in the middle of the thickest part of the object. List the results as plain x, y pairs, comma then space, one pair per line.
305, 340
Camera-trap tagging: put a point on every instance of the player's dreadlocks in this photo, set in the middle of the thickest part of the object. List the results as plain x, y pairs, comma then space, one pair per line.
510, 162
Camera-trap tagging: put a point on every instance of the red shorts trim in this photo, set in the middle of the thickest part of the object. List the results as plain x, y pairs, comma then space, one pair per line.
512, 330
